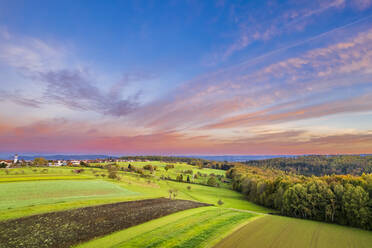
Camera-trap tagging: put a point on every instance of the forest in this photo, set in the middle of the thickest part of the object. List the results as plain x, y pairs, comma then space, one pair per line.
319, 165
342, 199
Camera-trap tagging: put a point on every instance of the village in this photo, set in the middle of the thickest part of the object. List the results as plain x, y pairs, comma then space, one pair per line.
17, 161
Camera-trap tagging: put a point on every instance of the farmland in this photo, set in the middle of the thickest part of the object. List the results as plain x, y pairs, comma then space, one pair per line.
22, 194
129, 187
63, 229
276, 232
200, 227
28, 193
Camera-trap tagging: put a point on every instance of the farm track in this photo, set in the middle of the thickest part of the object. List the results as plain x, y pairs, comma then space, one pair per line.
67, 228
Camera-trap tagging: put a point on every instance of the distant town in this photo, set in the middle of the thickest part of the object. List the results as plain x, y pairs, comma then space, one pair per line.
17, 162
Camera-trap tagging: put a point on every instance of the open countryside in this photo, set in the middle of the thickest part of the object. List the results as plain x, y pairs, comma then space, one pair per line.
39, 194
186, 124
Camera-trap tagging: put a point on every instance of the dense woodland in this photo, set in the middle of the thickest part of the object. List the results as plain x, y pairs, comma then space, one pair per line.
342, 199
319, 165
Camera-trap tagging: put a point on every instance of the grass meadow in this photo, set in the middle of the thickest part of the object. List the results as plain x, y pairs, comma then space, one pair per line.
277, 232
29, 193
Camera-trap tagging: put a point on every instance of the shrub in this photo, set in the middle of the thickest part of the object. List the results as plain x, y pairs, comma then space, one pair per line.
180, 178
212, 181
149, 167
220, 202
112, 170
169, 166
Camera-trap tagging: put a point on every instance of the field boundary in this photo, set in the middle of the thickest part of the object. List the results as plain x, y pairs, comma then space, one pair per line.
241, 225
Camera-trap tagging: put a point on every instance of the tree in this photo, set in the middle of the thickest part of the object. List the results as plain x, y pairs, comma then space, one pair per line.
40, 162
149, 167
172, 193
220, 202
212, 181
355, 201
188, 178
189, 187
180, 178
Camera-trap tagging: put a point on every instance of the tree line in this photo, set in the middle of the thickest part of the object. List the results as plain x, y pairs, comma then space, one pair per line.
319, 165
202, 163
342, 199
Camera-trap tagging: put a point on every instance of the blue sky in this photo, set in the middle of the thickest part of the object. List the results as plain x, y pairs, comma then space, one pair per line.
186, 77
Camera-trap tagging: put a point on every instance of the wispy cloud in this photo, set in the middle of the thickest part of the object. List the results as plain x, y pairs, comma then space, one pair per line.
65, 83
20, 99
74, 90
264, 27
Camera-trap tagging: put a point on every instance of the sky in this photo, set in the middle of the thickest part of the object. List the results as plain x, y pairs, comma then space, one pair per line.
186, 77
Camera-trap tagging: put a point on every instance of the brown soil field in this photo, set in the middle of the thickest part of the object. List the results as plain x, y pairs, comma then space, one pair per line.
67, 228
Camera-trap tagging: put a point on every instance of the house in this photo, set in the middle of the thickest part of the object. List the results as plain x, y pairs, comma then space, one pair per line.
7, 163
75, 162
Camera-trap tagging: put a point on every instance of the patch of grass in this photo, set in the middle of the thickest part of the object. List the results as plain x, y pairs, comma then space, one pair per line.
23, 194
200, 193
41, 177
282, 232
191, 228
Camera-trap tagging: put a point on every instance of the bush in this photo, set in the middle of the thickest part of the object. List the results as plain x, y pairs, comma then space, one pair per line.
220, 202
169, 166
212, 181
112, 171
149, 167
180, 178
112, 175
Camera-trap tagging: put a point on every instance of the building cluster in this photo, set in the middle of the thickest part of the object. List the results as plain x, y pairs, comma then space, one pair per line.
16, 161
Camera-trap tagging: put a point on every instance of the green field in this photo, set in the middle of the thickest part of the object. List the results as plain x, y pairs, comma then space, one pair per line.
201, 227
18, 203
202, 174
280, 232
23, 194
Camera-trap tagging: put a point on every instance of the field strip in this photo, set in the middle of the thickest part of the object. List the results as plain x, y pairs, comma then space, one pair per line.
223, 236
273, 231
42, 178
62, 206
193, 228
246, 211
127, 234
